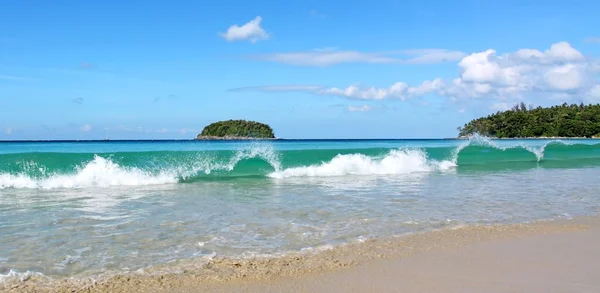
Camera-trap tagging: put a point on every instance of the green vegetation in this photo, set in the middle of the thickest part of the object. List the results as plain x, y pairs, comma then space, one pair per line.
521, 121
237, 129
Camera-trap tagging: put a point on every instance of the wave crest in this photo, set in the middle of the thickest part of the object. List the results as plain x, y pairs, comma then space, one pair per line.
395, 162
100, 172
103, 172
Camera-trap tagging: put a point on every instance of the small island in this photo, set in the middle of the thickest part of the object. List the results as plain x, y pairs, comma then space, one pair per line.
236, 130
562, 121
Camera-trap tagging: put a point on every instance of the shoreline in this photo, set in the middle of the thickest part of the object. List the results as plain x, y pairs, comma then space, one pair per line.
225, 275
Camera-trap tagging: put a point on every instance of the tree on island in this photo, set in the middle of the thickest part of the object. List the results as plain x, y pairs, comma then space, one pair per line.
237, 129
522, 121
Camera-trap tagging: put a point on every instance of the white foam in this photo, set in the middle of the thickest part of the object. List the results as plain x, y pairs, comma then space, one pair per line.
99, 172
15, 276
402, 161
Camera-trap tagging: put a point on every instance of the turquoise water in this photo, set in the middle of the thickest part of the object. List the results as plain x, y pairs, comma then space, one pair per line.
77, 209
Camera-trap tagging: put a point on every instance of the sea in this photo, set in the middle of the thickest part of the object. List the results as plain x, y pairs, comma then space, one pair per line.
87, 209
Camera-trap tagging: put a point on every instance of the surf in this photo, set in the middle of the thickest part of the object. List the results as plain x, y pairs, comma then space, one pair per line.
38, 170
402, 161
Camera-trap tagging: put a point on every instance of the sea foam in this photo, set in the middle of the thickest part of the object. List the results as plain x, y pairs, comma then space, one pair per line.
401, 161
99, 172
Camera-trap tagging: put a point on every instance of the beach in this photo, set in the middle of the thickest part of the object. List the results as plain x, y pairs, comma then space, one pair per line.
556, 256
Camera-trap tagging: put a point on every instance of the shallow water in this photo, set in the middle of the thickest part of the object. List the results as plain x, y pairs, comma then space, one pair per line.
79, 209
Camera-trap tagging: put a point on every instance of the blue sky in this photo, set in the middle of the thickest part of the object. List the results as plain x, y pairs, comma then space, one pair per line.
311, 69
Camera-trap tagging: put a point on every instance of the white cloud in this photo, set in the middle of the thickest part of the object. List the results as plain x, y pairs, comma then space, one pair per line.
325, 58
594, 94
563, 51
251, 31
560, 72
558, 52
162, 130
398, 90
428, 56
8, 131
363, 108
86, 128
333, 56
566, 77
593, 40
560, 69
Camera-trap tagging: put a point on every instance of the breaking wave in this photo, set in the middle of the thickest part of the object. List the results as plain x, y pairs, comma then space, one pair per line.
76, 170
395, 162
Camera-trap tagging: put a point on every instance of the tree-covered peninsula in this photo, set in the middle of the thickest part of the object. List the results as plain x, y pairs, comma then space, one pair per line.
526, 122
237, 129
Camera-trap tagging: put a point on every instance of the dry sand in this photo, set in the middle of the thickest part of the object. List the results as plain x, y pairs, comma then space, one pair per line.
541, 257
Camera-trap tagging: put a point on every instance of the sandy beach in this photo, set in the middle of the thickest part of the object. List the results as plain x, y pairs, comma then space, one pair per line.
539, 257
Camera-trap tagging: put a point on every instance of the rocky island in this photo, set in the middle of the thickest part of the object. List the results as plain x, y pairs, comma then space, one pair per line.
562, 121
236, 130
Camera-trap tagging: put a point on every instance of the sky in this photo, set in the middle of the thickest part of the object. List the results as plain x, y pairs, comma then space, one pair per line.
310, 69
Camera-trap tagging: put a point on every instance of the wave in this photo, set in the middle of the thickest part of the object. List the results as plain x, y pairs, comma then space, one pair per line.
483, 141
104, 172
261, 160
395, 162
100, 172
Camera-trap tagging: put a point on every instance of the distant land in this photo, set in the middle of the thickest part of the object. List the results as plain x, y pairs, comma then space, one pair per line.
563, 121
236, 130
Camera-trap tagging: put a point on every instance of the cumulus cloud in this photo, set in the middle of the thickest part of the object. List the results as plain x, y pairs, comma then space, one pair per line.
566, 77
363, 108
560, 69
333, 56
251, 31
560, 72
86, 128
7, 130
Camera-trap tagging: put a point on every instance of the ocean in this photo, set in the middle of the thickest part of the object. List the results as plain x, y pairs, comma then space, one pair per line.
88, 209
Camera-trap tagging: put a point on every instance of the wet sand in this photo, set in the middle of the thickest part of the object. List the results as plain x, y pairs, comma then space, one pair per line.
540, 257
